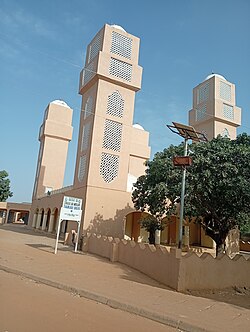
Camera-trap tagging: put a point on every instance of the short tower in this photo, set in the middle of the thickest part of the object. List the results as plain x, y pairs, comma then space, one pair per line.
214, 109
54, 136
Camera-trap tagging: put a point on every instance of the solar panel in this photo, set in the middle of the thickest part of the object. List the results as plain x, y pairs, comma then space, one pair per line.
187, 132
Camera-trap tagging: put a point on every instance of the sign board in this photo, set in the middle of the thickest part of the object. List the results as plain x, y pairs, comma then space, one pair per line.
182, 161
70, 210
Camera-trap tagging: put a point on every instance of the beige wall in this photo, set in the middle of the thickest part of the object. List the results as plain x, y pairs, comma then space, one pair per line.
206, 272
169, 267
105, 211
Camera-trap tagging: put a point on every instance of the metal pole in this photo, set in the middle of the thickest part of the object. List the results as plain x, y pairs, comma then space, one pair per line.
182, 196
78, 233
57, 236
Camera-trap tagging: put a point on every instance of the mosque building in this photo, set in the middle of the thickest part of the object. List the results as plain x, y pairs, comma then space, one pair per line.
111, 151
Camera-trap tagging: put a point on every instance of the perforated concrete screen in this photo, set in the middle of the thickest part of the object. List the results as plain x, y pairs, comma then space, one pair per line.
88, 73
112, 135
225, 133
85, 136
95, 47
203, 93
82, 168
88, 107
115, 105
121, 45
228, 112
201, 112
225, 91
109, 167
120, 69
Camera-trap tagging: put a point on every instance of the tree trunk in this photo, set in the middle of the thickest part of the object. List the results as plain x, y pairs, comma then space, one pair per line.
220, 248
151, 238
219, 239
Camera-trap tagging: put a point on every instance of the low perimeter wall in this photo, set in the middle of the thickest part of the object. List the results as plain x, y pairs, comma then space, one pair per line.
169, 267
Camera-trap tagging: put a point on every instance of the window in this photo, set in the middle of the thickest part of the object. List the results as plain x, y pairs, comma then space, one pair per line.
88, 73
112, 135
88, 107
225, 91
82, 167
121, 45
225, 133
201, 112
203, 93
228, 112
120, 69
109, 167
95, 47
115, 105
85, 136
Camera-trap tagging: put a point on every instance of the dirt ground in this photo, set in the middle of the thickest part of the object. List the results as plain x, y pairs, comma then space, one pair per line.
32, 306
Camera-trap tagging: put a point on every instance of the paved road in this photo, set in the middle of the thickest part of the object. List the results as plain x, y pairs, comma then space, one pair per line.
31, 254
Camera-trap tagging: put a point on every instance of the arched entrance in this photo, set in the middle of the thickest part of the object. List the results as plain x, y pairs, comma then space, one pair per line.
133, 230
42, 215
48, 219
56, 218
169, 233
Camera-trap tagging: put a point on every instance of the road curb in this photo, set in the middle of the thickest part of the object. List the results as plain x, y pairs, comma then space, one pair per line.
140, 311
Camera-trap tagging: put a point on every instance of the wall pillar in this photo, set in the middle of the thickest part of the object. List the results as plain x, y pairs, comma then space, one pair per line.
16, 215
51, 222
7, 216
38, 221
3, 219
34, 220
44, 222
157, 236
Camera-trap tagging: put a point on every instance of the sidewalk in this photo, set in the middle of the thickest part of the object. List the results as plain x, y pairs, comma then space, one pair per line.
31, 254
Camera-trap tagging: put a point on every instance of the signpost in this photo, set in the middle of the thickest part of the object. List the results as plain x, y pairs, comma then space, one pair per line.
70, 210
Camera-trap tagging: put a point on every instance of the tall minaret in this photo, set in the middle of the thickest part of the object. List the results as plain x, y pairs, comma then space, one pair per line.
214, 109
54, 136
111, 151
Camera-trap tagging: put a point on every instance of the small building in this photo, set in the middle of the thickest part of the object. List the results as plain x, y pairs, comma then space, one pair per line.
14, 212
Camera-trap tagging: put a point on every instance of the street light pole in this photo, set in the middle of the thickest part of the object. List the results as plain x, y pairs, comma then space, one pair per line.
182, 195
187, 132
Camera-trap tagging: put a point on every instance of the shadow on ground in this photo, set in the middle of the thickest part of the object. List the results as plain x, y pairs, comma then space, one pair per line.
24, 229
130, 273
238, 296
49, 248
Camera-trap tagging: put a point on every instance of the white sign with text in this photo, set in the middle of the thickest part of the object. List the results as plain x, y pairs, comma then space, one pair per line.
70, 210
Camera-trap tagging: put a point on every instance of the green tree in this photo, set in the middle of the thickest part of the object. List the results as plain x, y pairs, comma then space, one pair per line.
217, 185
5, 192
151, 224
152, 195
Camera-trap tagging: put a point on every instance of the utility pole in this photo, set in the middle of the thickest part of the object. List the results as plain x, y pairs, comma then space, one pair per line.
187, 132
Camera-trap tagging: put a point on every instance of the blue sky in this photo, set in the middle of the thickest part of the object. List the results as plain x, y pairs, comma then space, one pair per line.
42, 51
